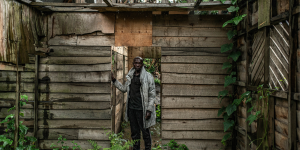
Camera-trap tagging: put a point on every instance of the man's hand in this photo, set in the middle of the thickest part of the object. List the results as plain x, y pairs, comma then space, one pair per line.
148, 115
112, 77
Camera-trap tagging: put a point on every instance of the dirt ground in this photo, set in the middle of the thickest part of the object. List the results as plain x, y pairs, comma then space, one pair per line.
155, 134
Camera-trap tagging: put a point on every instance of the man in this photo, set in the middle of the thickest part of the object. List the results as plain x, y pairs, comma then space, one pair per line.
139, 108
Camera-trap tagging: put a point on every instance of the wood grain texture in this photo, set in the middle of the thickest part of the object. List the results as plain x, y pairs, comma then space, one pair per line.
45, 144
212, 135
73, 60
193, 90
107, 40
133, 29
281, 114
212, 124
194, 59
189, 113
192, 78
281, 127
75, 105
73, 134
63, 40
189, 41
281, 141
199, 144
194, 68
70, 68
192, 51
193, 102
74, 124
189, 31
79, 51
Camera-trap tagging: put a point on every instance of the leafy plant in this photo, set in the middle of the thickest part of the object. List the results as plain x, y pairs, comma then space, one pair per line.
174, 146
158, 113
62, 141
117, 141
24, 142
156, 80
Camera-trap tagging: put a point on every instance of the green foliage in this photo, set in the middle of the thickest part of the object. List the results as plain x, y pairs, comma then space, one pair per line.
252, 117
225, 137
235, 55
229, 80
95, 145
7, 139
226, 47
228, 124
230, 109
220, 111
231, 34
174, 146
233, 2
226, 65
158, 113
222, 94
222, 1
156, 80
233, 9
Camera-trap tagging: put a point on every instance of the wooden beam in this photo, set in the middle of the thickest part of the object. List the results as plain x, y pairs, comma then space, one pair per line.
197, 3
36, 98
108, 3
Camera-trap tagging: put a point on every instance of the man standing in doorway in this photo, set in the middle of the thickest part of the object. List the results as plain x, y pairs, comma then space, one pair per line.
140, 110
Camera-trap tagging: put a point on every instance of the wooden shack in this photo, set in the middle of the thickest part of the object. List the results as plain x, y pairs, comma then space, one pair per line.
61, 56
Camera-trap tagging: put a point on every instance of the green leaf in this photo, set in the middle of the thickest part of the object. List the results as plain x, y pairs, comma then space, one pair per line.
252, 117
230, 109
226, 137
237, 101
235, 55
226, 65
249, 100
250, 109
226, 47
223, 1
225, 116
31, 139
260, 97
228, 124
229, 80
227, 22
220, 111
7, 117
232, 9
22, 114
236, 20
233, 73
23, 129
24, 97
222, 94
10, 109
22, 103
246, 94
5, 141
231, 34
233, 2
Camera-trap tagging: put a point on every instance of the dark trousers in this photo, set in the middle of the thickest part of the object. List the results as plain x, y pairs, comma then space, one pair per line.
136, 125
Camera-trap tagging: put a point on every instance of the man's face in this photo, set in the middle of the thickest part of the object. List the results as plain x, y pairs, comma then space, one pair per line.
137, 64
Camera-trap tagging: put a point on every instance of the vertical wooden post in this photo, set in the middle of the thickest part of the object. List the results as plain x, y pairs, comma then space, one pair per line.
17, 103
266, 55
271, 120
247, 66
114, 97
36, 97
292, 118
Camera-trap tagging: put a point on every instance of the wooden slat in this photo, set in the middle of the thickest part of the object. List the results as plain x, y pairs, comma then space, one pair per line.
189, 31
73, 60
199, 144
281, 114
212, 124
189, 41
70, 68
193, 90
281, 127
45, 144
281, 141
192, 78
212, 135
194, 59
74, 124
75, 105
189, 113
193, 102
73, 134
63, 40
172, 51
79, 51
194, 68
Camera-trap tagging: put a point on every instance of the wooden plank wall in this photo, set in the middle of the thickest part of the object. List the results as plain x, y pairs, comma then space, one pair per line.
192, 76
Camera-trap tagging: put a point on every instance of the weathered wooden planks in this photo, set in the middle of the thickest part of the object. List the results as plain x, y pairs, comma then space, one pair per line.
193, 102
70, 68
212, 135
281, 141
199, 144
212, 124
281, 114
79, 51
45, 144
189, 41
73, 134
73, 60
74, 124
194, 68
194, 59
192, 90
190, 114
192, 51
75, 105
192, 78
84, 40
189, 31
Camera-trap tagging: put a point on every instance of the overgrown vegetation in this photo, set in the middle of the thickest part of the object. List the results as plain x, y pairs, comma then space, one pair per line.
228, 111
24, 142
153, 67
158, 113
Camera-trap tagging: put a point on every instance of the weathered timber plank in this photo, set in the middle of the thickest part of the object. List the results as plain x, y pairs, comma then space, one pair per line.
242, 123
73, 134
193, 90
212, 124
194, 68
194, 59
28, 113
174, 51
45, 144
70, 68
59, 97
59, 76
189, 31
189, 41
242, 111
63, 40
73, 60
59, 87
193, 102
74, 105
192, 78
79, 51
75, 114
212, 135
189, 114
190, 20
107, 40
281, 114
281, 127
281, 102
10, 103
199, 144
74, 124
281, 141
